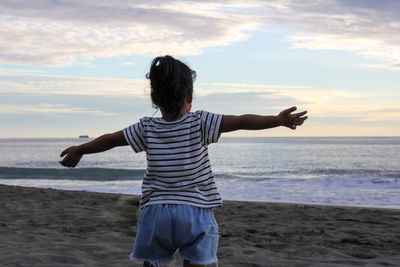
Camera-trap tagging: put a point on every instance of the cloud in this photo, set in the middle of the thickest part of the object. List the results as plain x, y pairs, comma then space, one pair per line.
259, 86
322, 104
298, 93
60, 33
394, 109
363, 27
251, 98
383, 66
18, 71
36, 83
48, 109
391, 113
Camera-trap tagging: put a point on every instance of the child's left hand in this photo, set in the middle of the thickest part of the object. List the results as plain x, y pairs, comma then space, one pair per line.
73, 156
292, 120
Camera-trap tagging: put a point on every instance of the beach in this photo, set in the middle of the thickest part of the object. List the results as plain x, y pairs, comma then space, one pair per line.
47, 227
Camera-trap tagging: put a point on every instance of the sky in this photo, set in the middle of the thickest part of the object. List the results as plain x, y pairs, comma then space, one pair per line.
70, 68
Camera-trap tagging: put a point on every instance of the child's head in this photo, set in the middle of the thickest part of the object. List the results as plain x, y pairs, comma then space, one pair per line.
171, 82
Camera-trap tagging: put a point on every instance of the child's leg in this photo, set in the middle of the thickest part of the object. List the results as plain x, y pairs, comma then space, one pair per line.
153, 243
196, 235
146, 264
185, 264
188, 264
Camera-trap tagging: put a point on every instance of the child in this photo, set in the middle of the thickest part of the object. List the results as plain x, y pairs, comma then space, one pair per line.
178, 190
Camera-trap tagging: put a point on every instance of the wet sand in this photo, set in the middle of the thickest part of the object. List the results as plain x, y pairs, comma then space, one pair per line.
46, 227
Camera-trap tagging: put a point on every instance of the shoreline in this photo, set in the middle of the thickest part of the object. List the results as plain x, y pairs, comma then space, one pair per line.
225, 137
388, 207
50, 227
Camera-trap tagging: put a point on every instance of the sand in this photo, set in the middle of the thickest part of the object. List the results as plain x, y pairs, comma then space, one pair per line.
45, 227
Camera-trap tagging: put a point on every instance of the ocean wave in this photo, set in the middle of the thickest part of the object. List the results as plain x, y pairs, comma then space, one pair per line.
90, 174
310, 174
358, 173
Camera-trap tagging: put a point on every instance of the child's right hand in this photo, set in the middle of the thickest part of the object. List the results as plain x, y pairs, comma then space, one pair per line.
292, 120
73, 156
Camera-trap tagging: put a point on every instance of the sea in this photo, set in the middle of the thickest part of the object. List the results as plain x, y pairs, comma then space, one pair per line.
345, 171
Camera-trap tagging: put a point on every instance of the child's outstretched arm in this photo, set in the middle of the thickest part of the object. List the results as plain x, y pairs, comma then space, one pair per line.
258, 122
100, 144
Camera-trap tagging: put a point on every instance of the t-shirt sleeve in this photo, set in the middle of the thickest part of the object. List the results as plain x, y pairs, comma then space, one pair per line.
134, 135
210, 126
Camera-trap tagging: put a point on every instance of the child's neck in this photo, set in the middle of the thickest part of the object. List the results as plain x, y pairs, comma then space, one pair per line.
187, 106
170, 118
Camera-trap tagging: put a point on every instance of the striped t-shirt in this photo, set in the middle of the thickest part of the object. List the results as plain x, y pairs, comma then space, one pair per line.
178, 168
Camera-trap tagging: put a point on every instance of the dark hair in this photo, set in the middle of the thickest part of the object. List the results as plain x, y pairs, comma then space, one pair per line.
171, 81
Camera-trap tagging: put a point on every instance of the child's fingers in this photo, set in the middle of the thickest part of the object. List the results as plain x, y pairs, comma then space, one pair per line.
289, 110
64, 152
301, 114
286, 112
63, 163
300, 121
67, 163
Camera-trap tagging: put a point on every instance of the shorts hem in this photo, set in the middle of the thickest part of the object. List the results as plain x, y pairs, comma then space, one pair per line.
154, 262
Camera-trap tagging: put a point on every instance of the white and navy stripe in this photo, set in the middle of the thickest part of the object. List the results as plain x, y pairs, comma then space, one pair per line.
178, 168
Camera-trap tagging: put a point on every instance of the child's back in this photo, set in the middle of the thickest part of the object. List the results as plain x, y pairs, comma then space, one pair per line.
178, 169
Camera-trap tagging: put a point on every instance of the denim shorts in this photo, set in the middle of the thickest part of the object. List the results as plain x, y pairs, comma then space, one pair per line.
164, 228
